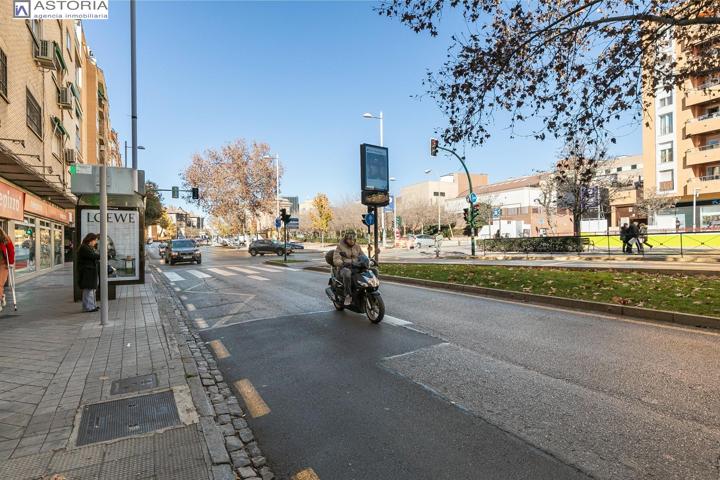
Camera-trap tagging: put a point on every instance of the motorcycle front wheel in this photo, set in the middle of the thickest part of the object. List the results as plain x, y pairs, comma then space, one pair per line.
374, 308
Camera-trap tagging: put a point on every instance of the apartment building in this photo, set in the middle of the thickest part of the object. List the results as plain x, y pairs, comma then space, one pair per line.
445, 188
624, 179
681, 144
47, 112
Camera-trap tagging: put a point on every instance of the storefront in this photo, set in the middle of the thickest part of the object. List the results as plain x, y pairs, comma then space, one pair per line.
36, 228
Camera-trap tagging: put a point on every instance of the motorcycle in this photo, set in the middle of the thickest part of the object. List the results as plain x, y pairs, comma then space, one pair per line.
364, 290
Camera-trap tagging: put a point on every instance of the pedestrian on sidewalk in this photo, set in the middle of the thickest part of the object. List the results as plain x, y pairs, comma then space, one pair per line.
644, 235
88, 271
624, 238
634, 237
7, 259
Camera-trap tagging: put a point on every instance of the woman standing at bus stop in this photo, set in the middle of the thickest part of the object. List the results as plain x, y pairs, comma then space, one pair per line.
88, 271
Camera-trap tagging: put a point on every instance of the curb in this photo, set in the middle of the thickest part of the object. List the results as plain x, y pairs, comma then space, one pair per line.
687, 319
230, 442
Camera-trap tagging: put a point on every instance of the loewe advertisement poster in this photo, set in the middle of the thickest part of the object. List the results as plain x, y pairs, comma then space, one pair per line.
123, 240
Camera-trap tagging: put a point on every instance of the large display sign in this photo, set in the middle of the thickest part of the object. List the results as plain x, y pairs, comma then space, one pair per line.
123, 240
374, 168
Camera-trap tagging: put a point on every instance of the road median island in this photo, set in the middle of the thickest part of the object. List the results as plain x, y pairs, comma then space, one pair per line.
689, 300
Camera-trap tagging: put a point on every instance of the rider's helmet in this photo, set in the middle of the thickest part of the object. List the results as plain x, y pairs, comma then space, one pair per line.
350, 235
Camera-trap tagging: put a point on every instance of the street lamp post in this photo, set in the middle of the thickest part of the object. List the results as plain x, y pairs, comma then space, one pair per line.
695, 196
140, 147
382, 217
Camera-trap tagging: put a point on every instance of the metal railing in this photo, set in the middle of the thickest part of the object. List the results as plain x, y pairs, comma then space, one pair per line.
707, 116
710, 178
705, 242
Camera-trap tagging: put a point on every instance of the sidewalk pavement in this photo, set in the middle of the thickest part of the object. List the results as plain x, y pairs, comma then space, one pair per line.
55, 360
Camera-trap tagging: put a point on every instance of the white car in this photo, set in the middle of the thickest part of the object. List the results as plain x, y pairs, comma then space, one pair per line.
420, 241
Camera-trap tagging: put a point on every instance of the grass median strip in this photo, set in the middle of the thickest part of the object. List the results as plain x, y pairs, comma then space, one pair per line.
677, 293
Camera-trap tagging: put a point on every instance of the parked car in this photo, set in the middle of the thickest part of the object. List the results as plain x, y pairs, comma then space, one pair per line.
268, 246
183, 250
296, 246
420, 241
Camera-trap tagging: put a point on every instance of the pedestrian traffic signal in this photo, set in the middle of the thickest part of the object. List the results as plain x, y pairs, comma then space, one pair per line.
433, 147
195, 193
466, 216
284, 215
175, 192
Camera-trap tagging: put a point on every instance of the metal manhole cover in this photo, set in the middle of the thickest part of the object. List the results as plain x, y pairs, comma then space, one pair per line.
101, 422
134, 384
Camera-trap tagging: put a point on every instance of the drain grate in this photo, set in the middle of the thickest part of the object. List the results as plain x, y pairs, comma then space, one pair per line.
133, 384
101, 422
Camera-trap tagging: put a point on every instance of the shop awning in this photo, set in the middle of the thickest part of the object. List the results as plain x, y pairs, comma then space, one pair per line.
17, 171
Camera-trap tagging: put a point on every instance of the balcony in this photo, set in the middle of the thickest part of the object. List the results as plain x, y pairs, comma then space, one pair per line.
704, 124
702, 155
707, 92
707, 184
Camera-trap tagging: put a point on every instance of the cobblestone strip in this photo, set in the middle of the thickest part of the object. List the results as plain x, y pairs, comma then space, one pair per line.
232, 446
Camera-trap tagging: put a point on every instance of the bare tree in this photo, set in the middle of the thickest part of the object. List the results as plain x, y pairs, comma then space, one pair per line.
548, 201
651, 203
574, 65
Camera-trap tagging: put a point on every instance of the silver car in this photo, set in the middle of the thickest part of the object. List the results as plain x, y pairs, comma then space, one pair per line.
420, 241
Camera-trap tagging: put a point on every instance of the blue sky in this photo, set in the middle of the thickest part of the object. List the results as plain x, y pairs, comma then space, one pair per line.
297, 75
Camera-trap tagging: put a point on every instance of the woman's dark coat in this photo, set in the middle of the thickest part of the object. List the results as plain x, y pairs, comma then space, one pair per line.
88, 267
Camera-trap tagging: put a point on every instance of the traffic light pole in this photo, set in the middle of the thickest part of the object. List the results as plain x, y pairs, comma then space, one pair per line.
472, 204
375, 235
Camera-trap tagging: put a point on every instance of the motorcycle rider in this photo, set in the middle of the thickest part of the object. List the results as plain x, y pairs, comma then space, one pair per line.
345, 254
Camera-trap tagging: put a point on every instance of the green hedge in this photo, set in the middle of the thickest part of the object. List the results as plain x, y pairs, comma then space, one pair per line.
532, 244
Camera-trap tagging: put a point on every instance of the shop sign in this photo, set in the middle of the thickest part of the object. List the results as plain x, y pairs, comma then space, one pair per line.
11, 203
40, 208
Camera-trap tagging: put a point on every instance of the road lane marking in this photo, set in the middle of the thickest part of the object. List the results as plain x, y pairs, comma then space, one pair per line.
395, 321
258, 277
225, 321
253, 401
219, 349
173, 277
220, 271
263, 269
201, 323
307, 474
183, 297
243, 270
199, 274
281, 269
190, 307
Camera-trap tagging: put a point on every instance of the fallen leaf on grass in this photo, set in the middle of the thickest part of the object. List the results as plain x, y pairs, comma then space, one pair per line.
620, 300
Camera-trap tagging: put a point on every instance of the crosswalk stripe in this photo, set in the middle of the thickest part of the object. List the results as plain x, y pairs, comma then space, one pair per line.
258, 277
199, 274
263, 269
243, 270
173, 277
220, 271
282, 269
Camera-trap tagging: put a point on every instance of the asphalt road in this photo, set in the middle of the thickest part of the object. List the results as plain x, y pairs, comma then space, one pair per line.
455, 386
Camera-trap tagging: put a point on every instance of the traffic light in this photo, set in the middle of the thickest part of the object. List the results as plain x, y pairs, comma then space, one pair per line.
195, 193
466, 216
433, 147
175, 192
284, 215
364, 221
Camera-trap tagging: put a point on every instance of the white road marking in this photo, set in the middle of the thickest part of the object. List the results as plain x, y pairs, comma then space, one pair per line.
183, 297
258, 277
200, 323
199, 274
225, 322
243, 270
177, 289
280, 269
220, 271
190, 307
395, 321
263, 269
173, 277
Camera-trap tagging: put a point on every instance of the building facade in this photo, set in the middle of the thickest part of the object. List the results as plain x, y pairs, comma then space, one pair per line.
45, 113
681, 141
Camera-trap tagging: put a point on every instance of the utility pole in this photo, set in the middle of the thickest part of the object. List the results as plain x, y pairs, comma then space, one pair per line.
133, 88
103, 245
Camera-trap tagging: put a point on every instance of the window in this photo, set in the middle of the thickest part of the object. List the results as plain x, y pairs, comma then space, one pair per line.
57, 143
633, 167
68, 42
666, 153
36, 29
665, 99
618, 169
666, 180
666, 124
77, 139
607, 171
3, 74
33, 114
713, 172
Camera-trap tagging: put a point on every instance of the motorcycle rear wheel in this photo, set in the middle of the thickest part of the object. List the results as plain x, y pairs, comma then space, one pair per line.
374, 308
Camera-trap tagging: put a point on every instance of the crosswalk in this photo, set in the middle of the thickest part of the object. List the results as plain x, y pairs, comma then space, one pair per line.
254, 272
